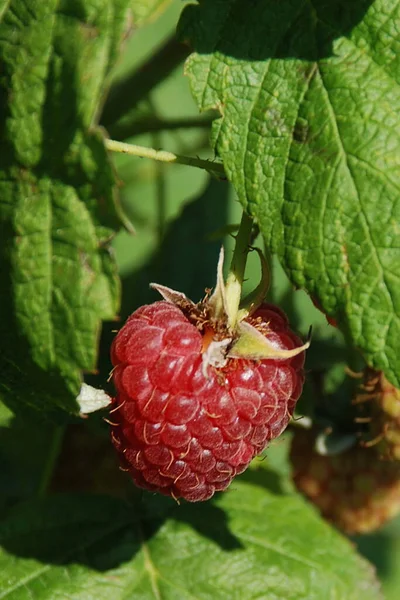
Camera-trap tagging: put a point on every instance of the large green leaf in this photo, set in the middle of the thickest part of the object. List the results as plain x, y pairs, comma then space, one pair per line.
260, 545
57, 198
309, 96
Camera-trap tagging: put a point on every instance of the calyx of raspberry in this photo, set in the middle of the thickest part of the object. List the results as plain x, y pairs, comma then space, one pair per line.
227, 325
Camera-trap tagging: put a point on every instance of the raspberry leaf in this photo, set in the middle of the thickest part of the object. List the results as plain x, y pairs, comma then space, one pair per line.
144, 10
58, 208
89, 547
309, 96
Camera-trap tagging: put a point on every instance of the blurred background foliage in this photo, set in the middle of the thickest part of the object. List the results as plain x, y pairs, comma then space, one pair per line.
181, 217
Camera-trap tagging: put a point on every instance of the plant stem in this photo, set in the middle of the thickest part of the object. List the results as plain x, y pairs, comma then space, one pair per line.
235, 279
167, 157
54, 452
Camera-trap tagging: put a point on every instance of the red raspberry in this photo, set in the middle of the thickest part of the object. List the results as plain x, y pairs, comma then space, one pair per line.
187, 433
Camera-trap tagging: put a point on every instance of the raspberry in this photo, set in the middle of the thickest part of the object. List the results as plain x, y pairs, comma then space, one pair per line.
184, 427
356, 490
384, 410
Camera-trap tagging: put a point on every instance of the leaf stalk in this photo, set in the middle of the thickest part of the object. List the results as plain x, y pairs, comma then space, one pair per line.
164, 156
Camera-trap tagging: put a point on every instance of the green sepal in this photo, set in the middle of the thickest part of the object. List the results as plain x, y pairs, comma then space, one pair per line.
253, 345
218, 301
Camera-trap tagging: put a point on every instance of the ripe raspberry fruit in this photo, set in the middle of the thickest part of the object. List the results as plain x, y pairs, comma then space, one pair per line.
192, 409
356, 490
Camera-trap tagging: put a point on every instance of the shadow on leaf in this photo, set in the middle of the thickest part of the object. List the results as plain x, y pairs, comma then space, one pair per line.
265, 478
101, 532
207, 519
285, 29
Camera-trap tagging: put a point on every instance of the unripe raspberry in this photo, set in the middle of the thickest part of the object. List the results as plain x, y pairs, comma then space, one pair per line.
355, 490
183, 426
384, 411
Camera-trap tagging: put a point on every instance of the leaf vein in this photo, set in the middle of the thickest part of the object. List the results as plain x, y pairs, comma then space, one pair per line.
78, 548
24, 581
374, 170
281, 551
150, 568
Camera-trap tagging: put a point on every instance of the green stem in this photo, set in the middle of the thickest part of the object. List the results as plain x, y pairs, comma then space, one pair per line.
54, 452
237, 269
166, 157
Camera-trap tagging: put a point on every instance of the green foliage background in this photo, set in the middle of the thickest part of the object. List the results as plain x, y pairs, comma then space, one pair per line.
71, 524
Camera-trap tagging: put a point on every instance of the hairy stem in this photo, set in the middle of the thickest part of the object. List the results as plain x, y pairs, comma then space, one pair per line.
235, 279
166, 157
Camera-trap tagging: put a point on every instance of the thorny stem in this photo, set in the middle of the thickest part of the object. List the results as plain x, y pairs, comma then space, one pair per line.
163, 156
235, 279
